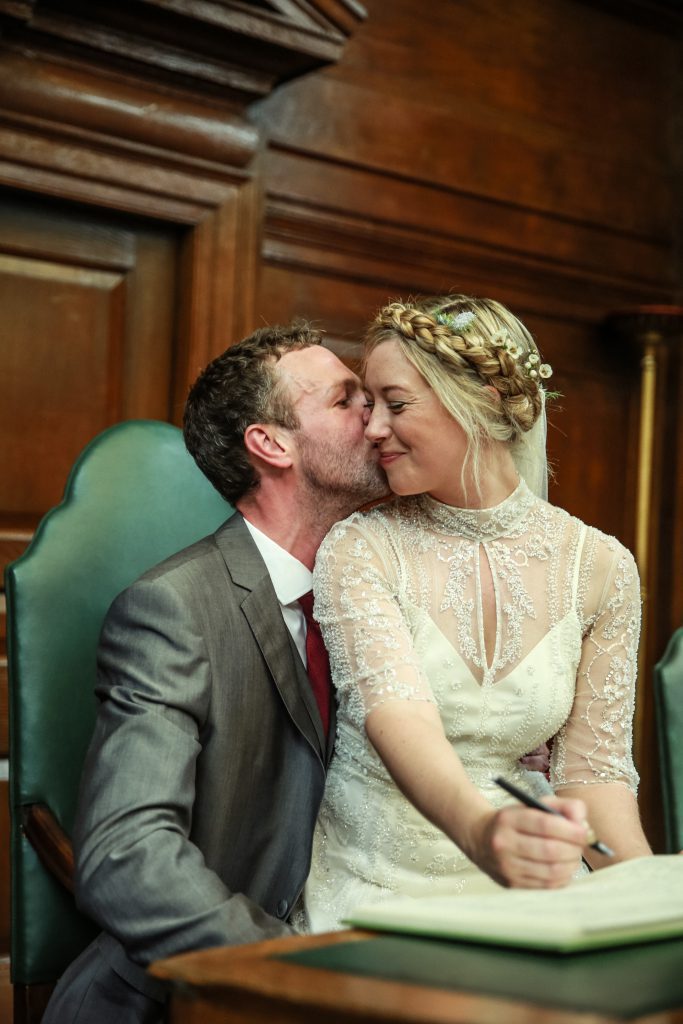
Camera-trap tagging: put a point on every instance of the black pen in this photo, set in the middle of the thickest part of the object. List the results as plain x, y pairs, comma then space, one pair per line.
531, 801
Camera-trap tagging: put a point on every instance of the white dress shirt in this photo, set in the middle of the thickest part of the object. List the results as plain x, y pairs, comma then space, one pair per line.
291, 578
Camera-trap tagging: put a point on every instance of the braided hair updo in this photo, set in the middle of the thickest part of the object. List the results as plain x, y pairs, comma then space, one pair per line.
459, 343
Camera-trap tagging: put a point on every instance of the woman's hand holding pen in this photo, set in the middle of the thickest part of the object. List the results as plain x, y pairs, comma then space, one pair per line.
523, 848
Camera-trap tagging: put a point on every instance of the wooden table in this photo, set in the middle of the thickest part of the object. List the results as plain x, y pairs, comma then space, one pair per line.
347, 977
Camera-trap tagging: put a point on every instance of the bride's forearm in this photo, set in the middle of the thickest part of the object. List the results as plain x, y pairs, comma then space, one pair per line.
612, 812
409, 738
516, 846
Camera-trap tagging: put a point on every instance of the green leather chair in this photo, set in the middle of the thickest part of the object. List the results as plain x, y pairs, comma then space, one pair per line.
133, 497
668, 694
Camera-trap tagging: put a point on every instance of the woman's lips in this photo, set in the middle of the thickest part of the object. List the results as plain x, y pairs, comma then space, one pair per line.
386, 458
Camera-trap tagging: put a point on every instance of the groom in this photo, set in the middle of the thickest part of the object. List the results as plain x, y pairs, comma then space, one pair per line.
207, 766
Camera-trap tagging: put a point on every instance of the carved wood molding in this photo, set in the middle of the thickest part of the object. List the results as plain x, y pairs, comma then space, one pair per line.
119, 109
340, 244
172, 75
343, 189
235, 48
122, 110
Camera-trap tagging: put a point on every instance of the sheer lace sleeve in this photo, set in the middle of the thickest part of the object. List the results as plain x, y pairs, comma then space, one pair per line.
595, 745
360, 604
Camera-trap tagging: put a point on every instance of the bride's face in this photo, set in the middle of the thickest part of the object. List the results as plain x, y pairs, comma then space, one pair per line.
421, 447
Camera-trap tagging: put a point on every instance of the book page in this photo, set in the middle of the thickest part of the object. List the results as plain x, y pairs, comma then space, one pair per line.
640, 898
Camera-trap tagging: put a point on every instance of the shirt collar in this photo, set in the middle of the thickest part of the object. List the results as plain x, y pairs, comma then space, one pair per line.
290, 577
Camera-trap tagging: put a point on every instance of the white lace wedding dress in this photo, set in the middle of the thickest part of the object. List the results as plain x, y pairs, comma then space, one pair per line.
398, 595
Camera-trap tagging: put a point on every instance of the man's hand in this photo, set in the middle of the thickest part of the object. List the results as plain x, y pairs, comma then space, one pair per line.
537, 760
523, 848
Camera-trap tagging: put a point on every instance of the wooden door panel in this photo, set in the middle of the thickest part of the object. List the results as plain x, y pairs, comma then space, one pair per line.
87, 304
61, 368
150, 330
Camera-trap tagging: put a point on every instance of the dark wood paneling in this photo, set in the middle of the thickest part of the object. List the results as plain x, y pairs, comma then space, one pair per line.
675, 433
86, 345
529, 154
13, 541
528, 105
4, 870
309, 188
54, 363
4, 696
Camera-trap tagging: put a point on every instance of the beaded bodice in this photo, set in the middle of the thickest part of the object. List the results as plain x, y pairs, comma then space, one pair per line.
491, 585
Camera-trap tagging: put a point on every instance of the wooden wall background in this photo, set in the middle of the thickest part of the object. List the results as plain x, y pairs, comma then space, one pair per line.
173, 174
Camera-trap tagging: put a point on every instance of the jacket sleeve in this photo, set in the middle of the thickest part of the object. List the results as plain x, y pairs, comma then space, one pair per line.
138, 874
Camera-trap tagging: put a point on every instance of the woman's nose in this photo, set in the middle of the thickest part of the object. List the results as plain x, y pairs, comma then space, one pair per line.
375, 425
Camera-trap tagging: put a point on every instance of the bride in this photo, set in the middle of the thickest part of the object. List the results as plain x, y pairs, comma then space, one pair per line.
468, 621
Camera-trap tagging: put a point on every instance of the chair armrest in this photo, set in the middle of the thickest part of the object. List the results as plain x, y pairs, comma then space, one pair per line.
50, 842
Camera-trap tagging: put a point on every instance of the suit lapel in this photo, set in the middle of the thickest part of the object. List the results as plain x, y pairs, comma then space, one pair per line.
332, 734
262, 611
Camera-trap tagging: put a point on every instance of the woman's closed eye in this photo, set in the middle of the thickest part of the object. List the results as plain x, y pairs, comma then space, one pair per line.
395, 405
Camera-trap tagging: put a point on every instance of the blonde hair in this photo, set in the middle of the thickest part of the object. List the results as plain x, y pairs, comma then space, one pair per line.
474, 354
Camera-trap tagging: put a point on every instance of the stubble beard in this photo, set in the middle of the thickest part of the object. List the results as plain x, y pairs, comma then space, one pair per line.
339, 481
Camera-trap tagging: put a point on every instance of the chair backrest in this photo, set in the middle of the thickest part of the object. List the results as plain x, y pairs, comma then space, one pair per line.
133, 497
668, 695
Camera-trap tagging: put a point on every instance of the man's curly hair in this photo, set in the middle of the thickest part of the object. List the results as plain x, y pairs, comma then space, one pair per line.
241, 387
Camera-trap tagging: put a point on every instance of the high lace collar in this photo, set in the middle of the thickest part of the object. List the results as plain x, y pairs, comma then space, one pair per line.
481, 523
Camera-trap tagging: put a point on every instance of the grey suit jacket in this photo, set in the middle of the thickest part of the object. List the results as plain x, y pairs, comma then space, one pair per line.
206, 769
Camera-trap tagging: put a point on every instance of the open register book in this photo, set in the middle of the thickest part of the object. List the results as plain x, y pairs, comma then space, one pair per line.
636, 901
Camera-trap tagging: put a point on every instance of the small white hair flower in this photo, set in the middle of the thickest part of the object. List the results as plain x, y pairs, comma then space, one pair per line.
456, 322
500, 339
545, 370
513, 349
462, 321
534, 358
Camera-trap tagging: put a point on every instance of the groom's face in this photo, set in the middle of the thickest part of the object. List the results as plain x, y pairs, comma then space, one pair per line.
332, 452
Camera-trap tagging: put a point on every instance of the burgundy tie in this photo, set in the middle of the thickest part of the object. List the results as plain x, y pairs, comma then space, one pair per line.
317, 661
